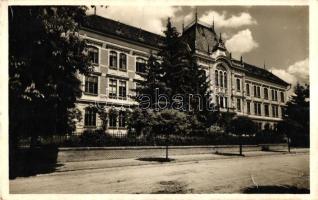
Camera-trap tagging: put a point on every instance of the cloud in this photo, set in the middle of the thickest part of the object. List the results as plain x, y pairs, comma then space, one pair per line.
148, 17
221, 19
297, 72
240, 43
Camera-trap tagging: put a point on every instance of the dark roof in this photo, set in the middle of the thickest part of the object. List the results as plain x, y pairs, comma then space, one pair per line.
200, 37
197, 35
119, 29
255, 71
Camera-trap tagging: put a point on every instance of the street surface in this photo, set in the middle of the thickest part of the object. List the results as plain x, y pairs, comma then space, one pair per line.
230, 175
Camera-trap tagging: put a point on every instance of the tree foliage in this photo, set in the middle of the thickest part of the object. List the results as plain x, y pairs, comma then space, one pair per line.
45, 55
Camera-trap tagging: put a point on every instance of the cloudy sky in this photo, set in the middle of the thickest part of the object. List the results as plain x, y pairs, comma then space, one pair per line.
276, 35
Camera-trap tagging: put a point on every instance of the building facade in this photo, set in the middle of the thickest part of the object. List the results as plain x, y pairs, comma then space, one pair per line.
119, 54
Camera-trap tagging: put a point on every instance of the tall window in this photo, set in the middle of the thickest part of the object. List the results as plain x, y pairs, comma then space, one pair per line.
90, 117
221, 78
122, 61
248, 89
282, 97
122, 119
112, 120
138, 88
216, 78
113, 59
265, 93
255, 91
238, 104
273, 95
276, 95
140, 65
217, 100
225, 80
258, 91
225, 102
275, 110
248, 105
257, 108
266, 109
91, 84
93, 55
112, 88
122, 89
238, 84
221, 102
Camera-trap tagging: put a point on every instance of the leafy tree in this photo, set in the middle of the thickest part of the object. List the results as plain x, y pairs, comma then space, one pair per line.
45, 55
296, 120
242, 126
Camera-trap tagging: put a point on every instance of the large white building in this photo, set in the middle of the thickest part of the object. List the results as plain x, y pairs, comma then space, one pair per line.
120, 51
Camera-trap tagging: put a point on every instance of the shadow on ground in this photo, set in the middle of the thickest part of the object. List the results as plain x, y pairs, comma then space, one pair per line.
269, 189
156, 159
30, 162
228, 154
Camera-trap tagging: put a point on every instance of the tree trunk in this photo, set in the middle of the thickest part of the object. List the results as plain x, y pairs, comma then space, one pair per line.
288, 143
241, 149
167, 146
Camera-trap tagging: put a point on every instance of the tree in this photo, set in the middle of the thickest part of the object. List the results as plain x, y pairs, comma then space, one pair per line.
45, 55
242, 126
296, 119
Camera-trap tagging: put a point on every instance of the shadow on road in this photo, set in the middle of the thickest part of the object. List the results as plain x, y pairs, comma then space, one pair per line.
269, 189
156, 159
228, 154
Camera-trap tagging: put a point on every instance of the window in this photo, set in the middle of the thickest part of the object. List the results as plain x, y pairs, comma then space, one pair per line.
93, 55
276, 95
140, 65
221, 102
221, 78
248, 89
122, 119
258, 91
138, 88
266, 109
257, 108
217, 100
238, 105
91, 84
122, 89
255, 91
274, 111
282, 97
90, 117
265, 93
216, 78
113, 88
113, 59
225, 80
238, 84
123, 62
225, 102
248, 105
112, 120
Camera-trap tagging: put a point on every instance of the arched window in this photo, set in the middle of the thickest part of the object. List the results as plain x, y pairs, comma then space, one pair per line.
122, 61
216, 78
221, 78
113, 59
90, 117
140, 65
93, 55
225, 80
238, 84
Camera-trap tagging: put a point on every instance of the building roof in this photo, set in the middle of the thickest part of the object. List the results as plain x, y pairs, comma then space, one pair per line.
258, 72
109, 26
198, 35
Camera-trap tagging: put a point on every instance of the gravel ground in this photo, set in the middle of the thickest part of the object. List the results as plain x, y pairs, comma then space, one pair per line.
231, 175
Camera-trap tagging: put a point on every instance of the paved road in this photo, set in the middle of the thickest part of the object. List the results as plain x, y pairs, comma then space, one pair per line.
204, 176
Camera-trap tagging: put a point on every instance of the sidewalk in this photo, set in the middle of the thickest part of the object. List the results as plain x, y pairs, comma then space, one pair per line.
113, 163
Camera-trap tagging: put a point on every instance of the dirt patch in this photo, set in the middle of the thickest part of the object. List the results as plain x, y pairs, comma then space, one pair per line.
172, 187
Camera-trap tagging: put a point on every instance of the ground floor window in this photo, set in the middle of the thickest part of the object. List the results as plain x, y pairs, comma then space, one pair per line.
122, 120
90, 117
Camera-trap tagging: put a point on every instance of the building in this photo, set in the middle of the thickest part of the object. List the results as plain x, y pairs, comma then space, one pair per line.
119, 53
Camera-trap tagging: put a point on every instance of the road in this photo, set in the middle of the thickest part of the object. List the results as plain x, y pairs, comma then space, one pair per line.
205, 176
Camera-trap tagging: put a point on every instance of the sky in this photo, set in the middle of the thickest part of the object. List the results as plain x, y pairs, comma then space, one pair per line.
274, 35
